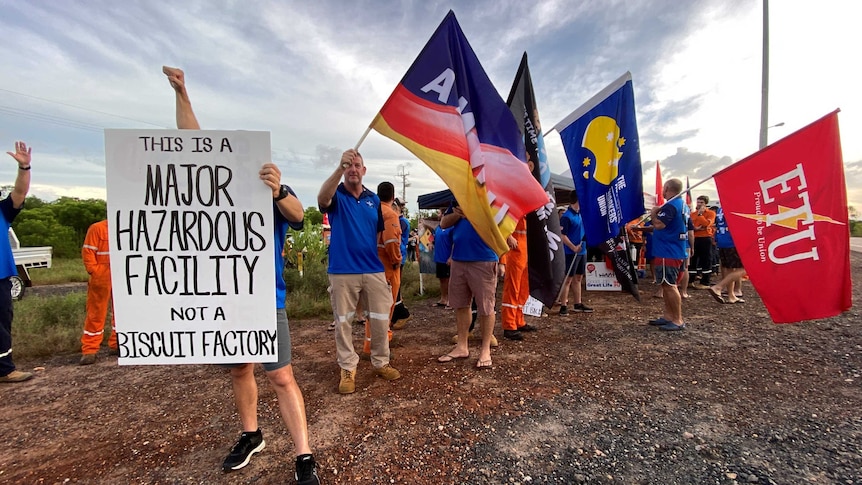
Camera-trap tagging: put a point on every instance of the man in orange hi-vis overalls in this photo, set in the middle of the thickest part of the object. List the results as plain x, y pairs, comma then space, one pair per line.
98, 265
516, 285
388, 250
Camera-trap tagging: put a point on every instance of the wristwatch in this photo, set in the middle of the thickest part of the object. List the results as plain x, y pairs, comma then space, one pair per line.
283, 192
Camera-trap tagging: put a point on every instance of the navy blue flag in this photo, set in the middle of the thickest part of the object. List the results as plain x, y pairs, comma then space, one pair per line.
545, 259
601, 143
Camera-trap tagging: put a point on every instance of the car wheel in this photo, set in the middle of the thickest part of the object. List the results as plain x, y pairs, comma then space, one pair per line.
17, 287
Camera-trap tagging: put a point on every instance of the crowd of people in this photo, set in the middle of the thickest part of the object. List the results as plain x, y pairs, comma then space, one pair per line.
369, 241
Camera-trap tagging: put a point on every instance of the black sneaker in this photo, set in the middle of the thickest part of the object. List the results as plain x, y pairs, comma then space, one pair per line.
580, 307
564, 310
306, 470
513, 335
527, 328
249, 443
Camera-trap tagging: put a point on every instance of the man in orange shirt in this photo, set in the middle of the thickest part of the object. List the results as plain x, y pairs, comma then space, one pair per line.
389, 251
703, 221
96, 259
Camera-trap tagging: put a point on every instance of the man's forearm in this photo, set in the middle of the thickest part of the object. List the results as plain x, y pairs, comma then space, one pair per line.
22, 186
186, 119
327, 190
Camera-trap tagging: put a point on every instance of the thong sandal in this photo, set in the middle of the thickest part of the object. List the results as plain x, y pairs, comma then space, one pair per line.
484, 364
449, 358
716, 295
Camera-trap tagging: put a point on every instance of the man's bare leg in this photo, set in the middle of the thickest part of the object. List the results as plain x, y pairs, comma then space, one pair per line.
245, 395
292, 407
462, 321
486, 326
672, 303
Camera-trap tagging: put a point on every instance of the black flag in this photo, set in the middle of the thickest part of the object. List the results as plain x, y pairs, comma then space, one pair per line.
545, 259
617, 252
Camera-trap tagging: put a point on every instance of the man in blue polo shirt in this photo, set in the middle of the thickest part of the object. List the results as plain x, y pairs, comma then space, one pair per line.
355, 270
473, 276
287, 212
9, 209
669, 251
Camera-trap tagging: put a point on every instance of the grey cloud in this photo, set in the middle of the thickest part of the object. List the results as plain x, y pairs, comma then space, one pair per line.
327, 156
696, 166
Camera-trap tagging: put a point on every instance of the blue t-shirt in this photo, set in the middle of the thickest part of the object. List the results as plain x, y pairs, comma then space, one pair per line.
355, 224
280, 233
572, 226
467, 246
442, 244
722, 233
405, 237
670, 242
7, 260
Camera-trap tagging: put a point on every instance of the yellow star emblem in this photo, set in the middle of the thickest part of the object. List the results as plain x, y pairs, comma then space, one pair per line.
586, 162
622, 141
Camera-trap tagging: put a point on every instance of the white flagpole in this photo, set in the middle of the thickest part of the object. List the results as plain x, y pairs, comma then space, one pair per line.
367, 130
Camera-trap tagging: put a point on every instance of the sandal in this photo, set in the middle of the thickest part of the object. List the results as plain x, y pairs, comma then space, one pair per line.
449, 358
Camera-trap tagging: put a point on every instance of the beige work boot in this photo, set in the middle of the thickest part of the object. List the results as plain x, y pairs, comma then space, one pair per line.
88, 359
348, 381
17, 376
387, 372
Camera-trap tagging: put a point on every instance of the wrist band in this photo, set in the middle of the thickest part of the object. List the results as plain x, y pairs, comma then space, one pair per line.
23, 168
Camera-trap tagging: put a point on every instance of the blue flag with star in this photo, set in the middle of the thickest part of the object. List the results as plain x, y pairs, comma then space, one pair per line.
601, 143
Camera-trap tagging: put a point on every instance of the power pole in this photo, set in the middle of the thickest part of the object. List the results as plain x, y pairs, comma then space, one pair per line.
402, 174
764, 88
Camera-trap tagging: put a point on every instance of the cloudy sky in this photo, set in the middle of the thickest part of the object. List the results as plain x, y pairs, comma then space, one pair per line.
314, 74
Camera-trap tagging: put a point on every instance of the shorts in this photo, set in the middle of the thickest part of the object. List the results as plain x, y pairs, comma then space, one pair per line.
668, 271
443, 271
282, 332
580, 266
473, 279
729, 258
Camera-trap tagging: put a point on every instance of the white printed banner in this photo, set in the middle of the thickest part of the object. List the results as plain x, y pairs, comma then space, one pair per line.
601, 278
192, 263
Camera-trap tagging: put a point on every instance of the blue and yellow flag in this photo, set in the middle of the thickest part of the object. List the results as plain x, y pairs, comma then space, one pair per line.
446, 111
601, 143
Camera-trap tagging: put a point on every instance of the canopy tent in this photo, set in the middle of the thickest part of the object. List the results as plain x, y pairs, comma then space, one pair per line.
563, 188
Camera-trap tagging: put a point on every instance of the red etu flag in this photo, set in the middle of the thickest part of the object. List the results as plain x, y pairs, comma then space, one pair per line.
786, 208
659, 185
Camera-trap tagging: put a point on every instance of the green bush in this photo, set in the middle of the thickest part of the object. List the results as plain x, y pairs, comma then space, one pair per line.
49, 325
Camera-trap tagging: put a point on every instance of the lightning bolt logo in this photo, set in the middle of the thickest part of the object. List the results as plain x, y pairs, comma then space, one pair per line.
790, 222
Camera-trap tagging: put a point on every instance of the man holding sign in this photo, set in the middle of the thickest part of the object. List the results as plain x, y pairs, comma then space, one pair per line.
287, 212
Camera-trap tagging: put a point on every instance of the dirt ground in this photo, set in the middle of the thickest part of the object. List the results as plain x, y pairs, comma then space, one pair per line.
599, 398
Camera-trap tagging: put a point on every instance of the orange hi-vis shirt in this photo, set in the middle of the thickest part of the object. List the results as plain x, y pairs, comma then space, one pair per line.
389, 241
706, 221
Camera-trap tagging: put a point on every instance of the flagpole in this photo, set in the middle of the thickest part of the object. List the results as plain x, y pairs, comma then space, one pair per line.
563, 286
367, 130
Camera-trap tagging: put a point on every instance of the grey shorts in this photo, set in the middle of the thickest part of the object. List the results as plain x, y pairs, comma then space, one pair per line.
282, 332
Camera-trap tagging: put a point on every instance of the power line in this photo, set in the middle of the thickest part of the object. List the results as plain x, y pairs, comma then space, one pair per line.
80, 107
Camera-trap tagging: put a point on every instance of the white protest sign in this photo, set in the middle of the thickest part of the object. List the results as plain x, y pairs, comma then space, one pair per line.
192, 263
601, 278
533, 307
